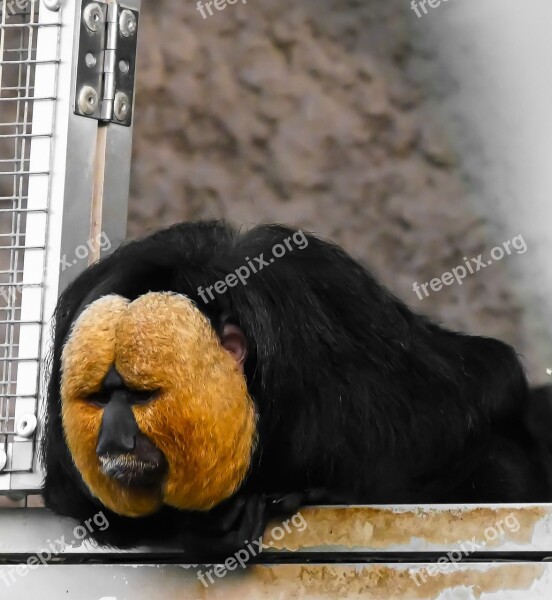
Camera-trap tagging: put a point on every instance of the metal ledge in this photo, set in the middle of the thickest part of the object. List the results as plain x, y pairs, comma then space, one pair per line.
329, 552
385, 531
515, 581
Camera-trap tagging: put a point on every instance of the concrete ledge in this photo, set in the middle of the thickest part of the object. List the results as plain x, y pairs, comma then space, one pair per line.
399, 552
513, 581
343, 529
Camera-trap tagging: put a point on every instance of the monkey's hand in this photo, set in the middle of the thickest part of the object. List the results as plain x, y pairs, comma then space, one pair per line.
289, 503
226, 529
242, 520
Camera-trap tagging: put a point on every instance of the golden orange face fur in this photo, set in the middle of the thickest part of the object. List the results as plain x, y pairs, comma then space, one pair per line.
202, 419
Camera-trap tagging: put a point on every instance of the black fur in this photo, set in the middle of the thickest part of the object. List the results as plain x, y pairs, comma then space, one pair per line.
359, 398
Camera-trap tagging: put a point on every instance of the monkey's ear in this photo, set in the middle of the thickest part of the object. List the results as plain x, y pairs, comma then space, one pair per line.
233, 341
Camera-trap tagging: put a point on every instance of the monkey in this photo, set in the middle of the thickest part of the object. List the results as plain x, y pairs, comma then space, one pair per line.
193, 404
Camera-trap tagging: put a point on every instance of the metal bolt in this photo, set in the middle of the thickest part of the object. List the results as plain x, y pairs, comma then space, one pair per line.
88, 100
26, 425
54, 5
127, 23
121, 106
90, 60
93, 16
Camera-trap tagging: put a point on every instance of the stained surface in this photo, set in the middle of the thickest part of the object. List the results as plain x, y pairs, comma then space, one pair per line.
527, 528
347, 529
375, 582
505, 528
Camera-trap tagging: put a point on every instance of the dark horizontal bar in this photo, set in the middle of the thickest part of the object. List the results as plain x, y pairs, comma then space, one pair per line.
19, 173
20, 210
27, 98
21, 25
52, 61
24, 135
16, 359
21, 285
271, 558
22, 248
16, 322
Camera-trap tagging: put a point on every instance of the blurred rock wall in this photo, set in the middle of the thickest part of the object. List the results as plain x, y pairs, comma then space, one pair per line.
311, 114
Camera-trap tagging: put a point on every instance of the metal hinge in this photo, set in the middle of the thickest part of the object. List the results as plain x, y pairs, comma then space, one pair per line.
106, 62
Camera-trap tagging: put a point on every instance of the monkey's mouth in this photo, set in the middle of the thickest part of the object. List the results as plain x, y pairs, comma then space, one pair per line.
131, 471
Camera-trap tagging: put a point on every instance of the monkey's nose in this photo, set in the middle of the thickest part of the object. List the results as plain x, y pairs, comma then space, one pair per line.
119, 428
113, 381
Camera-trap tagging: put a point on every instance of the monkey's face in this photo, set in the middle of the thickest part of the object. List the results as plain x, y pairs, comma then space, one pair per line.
155, 411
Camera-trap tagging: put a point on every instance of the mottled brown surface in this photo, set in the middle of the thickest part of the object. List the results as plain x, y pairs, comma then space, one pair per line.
378, 582
379, 528
310, 114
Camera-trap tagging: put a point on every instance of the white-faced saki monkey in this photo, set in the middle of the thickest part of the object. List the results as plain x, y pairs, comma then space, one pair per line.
205, 379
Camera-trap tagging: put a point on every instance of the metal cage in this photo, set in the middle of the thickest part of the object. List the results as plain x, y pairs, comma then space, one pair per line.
55, 171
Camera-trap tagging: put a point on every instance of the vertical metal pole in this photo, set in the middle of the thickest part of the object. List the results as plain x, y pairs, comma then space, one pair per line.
78, 195
116, 175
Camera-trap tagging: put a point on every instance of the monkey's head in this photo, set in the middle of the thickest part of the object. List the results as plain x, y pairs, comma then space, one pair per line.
155, 407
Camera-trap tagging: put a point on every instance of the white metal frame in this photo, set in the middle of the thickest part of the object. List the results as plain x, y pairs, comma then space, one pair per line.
79, 173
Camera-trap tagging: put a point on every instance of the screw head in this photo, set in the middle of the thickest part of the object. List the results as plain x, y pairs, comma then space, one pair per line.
26, 425
88, 100
127, 23
53, 5
121, 106
93, 16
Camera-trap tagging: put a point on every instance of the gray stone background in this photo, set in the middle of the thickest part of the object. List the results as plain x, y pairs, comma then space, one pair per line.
325, 115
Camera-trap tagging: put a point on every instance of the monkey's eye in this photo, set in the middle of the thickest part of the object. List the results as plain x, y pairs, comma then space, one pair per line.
142, 396
102, 398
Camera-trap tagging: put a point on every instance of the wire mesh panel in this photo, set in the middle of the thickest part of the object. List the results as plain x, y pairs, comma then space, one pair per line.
59, 174
29, 54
